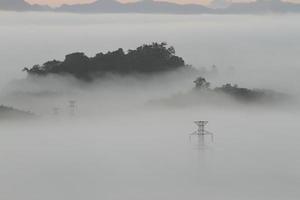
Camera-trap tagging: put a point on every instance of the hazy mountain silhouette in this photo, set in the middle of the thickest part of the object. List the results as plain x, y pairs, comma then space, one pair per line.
14, 5
20, 5
145, 6
219, 4
150, 6
262, 6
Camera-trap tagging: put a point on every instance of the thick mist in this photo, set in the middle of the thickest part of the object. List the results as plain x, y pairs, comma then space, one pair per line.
122, 142
256, 51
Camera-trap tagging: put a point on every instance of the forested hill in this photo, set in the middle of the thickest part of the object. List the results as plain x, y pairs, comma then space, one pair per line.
155, 57
12, 113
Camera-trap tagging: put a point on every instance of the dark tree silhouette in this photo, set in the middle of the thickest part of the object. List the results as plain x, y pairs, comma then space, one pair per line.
243, 94
201, 83
155, 57
12, 113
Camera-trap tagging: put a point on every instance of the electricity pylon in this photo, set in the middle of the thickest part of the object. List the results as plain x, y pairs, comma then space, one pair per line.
201, 132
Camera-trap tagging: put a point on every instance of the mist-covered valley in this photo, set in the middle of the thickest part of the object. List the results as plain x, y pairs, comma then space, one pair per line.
127, 136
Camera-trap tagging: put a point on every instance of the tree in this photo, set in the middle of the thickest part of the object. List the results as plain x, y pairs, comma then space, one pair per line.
201, 83
148, 58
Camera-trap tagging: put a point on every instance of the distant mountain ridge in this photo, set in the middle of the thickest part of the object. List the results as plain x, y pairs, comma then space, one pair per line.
262, 6
145, 6
150, 6
21, 5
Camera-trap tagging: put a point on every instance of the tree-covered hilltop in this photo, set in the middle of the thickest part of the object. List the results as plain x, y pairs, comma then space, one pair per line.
155, 57
203, 94
12, 113
239, 93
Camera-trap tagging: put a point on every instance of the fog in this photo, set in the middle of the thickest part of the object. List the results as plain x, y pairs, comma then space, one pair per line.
121, 145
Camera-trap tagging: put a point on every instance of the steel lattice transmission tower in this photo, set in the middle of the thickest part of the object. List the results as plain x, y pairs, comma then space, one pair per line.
201, 130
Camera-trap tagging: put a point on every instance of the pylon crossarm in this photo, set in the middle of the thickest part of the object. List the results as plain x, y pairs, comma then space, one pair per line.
201, 132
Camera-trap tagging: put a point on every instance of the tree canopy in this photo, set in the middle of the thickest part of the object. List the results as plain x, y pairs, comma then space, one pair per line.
9, 112
201, 83
242, 93
235, 91
155, 57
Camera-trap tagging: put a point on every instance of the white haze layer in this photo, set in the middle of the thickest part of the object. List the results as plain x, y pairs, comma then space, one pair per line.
120, 146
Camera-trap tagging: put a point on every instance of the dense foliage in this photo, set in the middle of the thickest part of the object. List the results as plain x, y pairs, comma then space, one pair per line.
201, 83
9, 112
239, 93
155, 57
